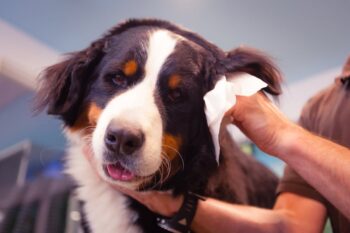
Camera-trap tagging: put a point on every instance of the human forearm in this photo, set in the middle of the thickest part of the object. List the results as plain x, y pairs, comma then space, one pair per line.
218, 216
322, 163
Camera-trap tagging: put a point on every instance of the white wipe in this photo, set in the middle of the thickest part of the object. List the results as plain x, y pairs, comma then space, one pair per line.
223, 97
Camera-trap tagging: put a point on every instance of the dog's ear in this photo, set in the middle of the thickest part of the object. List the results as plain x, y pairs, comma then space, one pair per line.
63, 85
256, 63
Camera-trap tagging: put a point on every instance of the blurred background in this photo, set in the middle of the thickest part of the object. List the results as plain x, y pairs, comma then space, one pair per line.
308, 40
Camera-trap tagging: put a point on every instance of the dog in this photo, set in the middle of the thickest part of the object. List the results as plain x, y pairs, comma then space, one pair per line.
134, 97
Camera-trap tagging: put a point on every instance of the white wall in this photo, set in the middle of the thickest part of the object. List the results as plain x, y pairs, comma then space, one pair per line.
21, 56
296, 94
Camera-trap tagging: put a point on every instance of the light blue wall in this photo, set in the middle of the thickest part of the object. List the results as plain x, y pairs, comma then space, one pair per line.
305, 37
17, 123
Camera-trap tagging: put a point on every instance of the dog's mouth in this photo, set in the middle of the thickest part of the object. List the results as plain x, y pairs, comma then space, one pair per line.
118, 172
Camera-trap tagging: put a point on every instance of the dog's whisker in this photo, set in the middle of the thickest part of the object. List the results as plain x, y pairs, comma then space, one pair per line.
163, 176
163, 169
167, 164
88, 129
178, 153
155, 183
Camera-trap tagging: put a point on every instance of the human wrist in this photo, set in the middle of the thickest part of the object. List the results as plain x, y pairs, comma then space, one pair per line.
174, 206
182, 219
290, 140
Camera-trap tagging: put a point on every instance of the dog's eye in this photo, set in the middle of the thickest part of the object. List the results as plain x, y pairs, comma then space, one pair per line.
175, 95
118, 79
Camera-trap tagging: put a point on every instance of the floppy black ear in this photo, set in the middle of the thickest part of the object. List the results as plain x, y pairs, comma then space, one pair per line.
63, 85
256, 63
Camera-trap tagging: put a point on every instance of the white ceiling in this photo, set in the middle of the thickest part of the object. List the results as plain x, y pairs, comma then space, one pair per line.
304, 37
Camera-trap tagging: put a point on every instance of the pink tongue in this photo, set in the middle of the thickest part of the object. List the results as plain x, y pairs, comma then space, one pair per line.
117, 172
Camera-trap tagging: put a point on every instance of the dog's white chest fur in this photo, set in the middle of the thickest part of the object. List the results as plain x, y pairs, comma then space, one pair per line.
106, 209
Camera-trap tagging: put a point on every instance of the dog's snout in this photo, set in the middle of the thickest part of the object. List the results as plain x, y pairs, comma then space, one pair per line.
123, 141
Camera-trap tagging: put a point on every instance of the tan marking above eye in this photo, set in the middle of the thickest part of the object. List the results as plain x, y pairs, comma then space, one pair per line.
130, 68
174, 81
171, 145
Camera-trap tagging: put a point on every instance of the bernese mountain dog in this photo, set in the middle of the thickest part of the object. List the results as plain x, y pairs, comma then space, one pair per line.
134, 97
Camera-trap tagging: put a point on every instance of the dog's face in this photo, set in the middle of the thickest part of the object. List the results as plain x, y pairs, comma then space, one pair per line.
149, 95
135, 98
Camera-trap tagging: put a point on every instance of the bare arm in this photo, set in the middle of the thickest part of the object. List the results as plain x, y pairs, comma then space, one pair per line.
322, 163
291, 214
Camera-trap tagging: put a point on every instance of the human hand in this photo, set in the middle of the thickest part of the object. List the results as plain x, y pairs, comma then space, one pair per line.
262, 122
163, 203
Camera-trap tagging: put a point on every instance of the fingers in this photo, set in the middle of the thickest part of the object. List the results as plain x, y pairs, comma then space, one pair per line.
163, 203
246, 105
243, 104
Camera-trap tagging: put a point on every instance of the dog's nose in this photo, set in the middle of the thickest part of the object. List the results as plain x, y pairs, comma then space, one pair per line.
123, 141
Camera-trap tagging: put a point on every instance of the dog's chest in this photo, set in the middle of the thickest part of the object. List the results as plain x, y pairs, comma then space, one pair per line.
107, 210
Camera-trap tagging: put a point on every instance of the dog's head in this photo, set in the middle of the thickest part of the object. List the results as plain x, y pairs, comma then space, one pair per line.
135, 97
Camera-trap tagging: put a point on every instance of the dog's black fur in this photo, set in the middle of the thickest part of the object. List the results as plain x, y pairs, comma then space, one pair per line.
70, 85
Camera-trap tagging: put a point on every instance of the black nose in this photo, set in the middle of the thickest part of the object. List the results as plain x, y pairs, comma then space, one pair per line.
123, 141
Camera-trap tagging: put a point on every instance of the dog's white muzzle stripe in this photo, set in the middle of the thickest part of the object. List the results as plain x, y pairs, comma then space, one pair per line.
223, 97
